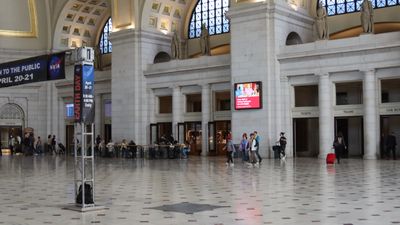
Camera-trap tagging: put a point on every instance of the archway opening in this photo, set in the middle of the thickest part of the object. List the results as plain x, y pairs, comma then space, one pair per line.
293, 39
162, 57
11, 127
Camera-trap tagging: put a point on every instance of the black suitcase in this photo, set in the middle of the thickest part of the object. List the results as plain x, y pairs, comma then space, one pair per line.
88, 194
277, 151
62, 147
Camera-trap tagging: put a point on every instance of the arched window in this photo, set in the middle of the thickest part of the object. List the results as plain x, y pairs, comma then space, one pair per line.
337, 7
104, 44
211, 13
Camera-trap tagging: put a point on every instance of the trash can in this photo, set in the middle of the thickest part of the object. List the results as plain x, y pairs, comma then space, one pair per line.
277, 151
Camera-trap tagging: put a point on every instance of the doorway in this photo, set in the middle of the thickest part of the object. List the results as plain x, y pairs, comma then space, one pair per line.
390, 125
70, 132
107, 132
353, 133
5, 133
157, 130
306, 137
193, 137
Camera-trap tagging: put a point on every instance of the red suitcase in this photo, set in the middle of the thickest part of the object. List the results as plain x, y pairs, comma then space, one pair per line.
330, 158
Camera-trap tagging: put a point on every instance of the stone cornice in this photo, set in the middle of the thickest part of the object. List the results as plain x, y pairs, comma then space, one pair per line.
336, 56
181, 66
332, 47
131, 35
265, 8
122, 36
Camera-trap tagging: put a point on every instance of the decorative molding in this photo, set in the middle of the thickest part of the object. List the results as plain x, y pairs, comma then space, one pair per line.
33, 32
389, 109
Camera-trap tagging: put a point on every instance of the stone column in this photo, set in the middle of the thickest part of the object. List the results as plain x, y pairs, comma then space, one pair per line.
325, 115
177, 110
97, 116
205, 117
370, 115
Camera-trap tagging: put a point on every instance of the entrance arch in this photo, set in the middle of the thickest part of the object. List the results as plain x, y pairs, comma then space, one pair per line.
12, 118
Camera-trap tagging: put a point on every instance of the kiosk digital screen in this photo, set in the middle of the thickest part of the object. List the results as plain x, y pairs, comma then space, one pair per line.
248, 95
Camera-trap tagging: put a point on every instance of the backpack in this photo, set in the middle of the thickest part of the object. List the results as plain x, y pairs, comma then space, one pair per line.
88, 194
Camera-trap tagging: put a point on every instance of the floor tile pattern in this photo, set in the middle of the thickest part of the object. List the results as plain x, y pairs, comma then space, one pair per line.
188, 208
34, 190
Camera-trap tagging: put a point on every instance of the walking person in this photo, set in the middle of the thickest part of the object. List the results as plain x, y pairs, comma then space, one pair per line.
339, 146
230, 150
49, 146
11, 144
253, 149
282, 143
38, 146
244, 147
391, 145
257, 139
53, 144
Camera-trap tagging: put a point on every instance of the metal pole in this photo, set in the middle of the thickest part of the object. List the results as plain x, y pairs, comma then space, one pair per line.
92, 157
75, 161
83, 145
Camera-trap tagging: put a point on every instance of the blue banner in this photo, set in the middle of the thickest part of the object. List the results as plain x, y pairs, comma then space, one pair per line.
84, 94
30, 70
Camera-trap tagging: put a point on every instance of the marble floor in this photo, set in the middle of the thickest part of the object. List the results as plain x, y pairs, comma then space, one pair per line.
34, 190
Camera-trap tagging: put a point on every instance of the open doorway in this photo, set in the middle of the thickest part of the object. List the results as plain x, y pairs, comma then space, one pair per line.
390, 125
306, 137
193, 137
353, 133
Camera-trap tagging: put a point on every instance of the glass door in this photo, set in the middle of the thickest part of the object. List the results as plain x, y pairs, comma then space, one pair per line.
222, 129
153, 133
193, 137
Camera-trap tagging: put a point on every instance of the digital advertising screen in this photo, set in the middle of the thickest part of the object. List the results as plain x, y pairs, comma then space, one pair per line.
248, 95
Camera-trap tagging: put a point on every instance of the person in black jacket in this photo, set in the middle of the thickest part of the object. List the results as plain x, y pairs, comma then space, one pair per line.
282, 143
340, 146
391, 145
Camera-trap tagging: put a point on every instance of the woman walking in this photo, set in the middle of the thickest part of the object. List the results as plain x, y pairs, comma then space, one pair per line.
244, 147
230, 150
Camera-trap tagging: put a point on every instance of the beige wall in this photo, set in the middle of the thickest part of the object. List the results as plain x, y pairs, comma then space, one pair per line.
14, 16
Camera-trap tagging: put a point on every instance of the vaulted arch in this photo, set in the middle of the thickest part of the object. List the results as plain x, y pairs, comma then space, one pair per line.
79, 22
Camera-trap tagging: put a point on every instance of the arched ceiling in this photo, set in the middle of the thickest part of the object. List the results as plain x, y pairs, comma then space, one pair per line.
165, 16
79, 23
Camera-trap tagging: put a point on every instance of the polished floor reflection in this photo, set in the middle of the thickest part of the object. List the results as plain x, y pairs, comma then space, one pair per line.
33, 190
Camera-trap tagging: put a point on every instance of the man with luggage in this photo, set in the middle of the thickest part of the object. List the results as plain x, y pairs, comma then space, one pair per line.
282, 143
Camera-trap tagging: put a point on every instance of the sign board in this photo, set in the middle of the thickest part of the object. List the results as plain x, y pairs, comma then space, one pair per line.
248, 95
84, 93
30, 70
305, 112
389, 109
348, 110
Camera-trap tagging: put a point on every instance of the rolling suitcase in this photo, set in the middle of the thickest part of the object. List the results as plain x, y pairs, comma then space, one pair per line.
330, 158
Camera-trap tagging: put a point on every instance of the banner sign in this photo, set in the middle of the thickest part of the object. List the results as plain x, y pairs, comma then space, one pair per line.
32, 70
56, 67
248, 95
84, 93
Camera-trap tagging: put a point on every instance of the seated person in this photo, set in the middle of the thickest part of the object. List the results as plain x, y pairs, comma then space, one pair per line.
185, 150
110, 148
132, 149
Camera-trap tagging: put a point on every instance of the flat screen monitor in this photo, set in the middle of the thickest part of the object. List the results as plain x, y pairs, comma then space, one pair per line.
248, 95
